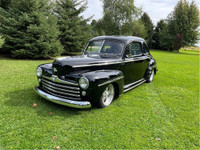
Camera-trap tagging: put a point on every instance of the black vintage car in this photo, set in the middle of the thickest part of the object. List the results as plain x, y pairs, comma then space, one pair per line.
108, 67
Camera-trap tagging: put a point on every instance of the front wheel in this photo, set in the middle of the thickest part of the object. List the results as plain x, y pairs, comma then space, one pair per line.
107, 96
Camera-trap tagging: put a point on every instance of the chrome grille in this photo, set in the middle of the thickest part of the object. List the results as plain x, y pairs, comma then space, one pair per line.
60, 88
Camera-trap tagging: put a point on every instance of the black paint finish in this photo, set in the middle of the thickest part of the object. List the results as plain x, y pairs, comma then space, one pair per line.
102, 70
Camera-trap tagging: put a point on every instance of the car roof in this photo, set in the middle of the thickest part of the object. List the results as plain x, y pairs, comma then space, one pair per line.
125, 39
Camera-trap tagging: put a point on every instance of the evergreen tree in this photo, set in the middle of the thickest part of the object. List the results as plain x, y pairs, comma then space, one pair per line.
166, 40
5, 4
94, 26
30, 29
161, 25
74, 30
1, 41
148, 27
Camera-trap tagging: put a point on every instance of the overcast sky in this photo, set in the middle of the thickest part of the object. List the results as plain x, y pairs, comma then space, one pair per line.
156, 9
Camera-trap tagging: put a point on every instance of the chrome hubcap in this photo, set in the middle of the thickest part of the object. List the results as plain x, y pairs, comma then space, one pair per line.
108, 95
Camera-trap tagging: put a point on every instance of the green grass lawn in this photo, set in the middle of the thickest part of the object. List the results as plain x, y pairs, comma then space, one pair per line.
160, 115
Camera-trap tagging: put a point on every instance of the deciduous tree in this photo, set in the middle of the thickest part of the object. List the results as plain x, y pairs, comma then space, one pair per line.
97, 27
118, 15
184, 21
135, 28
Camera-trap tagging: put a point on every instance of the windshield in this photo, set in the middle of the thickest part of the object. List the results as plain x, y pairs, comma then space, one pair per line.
105, 47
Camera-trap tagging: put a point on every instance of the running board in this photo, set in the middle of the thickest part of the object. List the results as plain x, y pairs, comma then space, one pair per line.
133, 85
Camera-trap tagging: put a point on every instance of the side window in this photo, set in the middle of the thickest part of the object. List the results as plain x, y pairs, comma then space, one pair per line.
133, 49
145, 48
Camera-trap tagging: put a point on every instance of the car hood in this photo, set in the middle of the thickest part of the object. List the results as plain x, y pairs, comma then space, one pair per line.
82, 61
69, 64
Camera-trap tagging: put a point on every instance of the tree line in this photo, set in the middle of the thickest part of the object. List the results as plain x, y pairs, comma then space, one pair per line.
179, 29
47, 28
43, 28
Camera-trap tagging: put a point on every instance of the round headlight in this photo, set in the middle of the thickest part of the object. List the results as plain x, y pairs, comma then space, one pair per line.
84, 83
39, 72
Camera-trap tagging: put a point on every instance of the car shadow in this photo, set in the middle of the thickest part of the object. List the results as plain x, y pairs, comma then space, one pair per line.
28, 97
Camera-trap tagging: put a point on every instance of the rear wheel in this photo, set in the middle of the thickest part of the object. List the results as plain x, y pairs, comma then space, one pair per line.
107, 96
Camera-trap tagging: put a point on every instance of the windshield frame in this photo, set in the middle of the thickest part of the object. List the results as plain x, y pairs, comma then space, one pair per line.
105, 40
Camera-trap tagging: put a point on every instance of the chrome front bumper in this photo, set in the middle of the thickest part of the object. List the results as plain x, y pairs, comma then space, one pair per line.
61, 101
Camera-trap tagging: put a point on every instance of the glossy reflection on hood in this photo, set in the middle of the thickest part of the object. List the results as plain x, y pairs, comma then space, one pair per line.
83, 60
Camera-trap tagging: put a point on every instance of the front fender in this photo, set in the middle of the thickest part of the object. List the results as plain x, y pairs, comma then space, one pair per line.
47, 69
100, 79
153, 65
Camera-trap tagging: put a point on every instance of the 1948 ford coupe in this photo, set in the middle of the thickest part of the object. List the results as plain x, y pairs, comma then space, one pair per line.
108, 67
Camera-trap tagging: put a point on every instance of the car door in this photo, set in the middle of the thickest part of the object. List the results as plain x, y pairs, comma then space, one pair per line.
133, 65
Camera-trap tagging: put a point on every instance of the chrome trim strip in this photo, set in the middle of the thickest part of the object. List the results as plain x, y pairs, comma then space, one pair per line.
58, 92
63, 90
135, 60
110, 81
55, 78
107, 63
62, 96
129, 85
65, 102
58, 85
134, 86
79, 66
